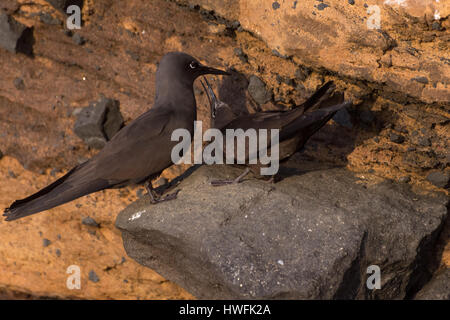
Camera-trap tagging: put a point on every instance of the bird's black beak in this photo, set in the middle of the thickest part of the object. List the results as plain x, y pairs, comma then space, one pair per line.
209, 70
211, 97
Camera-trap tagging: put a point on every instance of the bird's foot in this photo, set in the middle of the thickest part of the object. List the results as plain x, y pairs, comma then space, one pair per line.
157, 198
154, 199
218, 183
272, 180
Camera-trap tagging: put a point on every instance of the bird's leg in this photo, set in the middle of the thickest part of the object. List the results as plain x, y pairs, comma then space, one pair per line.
217, 183
155, 197
273, 179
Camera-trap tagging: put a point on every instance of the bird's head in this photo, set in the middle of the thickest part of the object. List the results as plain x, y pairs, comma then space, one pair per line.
179, 66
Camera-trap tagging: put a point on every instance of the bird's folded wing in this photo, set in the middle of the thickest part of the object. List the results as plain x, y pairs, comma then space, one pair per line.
139, 150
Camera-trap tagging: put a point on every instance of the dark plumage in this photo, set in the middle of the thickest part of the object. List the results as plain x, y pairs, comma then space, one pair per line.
140, 151
296, 125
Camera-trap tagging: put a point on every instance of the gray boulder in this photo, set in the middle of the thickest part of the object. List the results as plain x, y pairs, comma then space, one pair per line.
310, 236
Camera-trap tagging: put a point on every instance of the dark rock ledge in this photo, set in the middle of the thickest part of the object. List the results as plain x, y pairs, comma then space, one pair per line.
310, 236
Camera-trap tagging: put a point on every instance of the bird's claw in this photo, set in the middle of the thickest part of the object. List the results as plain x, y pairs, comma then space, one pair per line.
172, 196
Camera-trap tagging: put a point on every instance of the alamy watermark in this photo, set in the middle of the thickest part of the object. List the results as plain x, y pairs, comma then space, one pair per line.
74, 17
73, 281
374, 280
252, 147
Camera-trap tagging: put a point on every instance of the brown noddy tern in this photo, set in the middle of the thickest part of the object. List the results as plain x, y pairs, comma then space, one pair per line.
296, 125
138, 152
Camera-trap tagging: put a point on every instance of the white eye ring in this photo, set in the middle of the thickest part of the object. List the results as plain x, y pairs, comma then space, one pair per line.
193, 65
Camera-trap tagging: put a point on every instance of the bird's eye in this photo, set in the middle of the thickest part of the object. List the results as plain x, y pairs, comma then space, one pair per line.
193, 65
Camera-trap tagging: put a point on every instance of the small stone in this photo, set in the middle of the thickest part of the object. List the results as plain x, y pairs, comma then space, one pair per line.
47, 18
14, 36
302, 73
133, 55
423, 80
238, 51
275, 5
19, 84
241, 55
258, 91
12, 174
88, 221
78, 39
439, 178
279, 79
404, 179
352, 2
58, 252
278, 54
436, 26
99, 122
53, 172
343, 118
46, 242
235, 25
322, 6
396, 138
93, 276
424, 142
1, 154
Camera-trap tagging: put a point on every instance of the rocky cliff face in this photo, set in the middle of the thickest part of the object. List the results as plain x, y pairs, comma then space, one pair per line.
398, 129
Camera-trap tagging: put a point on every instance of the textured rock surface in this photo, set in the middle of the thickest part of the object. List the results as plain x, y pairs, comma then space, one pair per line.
310, 236
337, 38
124, 40
437, 289
34, 268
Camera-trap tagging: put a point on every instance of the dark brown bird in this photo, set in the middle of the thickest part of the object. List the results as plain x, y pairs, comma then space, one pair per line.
140, 151
296, 125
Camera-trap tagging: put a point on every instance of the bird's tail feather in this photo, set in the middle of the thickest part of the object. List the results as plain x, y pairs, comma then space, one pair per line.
322, 94
312, 121
55, 194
